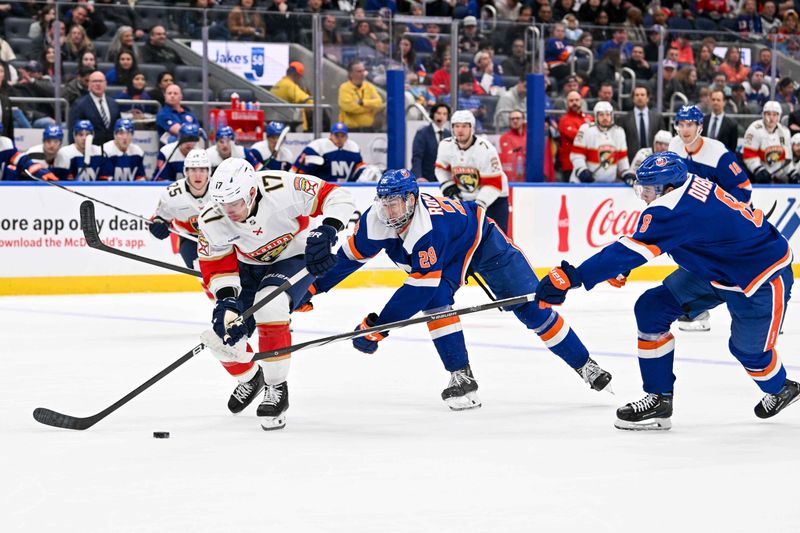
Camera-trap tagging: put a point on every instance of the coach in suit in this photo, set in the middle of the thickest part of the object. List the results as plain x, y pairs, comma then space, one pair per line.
426, 143
717, 125
642, 123
102, 112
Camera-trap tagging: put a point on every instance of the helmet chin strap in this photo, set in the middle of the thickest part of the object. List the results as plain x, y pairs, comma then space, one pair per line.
699, 132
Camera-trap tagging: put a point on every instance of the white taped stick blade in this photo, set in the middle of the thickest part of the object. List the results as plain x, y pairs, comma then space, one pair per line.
223, 352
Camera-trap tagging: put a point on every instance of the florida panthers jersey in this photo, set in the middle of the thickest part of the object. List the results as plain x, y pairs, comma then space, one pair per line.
707, 232
122, 166
476, 170
178, 204
281, 161
435, 248
773, 151
236, 151
71, 163
276, 229
639, 158
715, 162
603, 151
324, 159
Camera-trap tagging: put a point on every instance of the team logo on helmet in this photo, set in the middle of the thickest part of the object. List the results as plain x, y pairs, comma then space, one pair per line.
661, 161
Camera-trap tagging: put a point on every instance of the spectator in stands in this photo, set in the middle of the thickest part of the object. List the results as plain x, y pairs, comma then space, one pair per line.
556, 52
770, 22
407, 56
618, 41
517, 31
418, 93
123, 40
45, 153
426, 142
604, 70
653, 42
514, 98
516, 64
31, 83
601, 32
733, 68
713, 9
705, 100
545, 13
616, 11
484, 74
432, 42
568, 127
173, 114
41, 21
642, 123
440, 81
634, 25
706, 64
163, 80
794, 122
88, 59
359, 100
289, 90
562, 8
124, 68
77, 42
588, 11
156, 50
685, 54
720, 126
125, 13
245, 23
363, 35
471, 39
283, 25
671, 83
784, 94
606, 94
102, 112
512, 147
586, 40
136, 90
638, 64
748, 21
756, 91
38, 46
720, 82
330, 33
122, 160
764, 63
789, 34
6, 114
687, 78
190, 22
573, 31
79, 87
570, 84
468, 101
88, 18
507, 10
48, 62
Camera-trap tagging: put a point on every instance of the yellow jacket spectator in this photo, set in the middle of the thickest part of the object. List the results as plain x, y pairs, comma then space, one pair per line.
359, 100
288, 89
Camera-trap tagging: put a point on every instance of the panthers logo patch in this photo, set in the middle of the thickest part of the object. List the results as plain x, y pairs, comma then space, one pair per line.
467, 178
270, 251
605, 156
774, 154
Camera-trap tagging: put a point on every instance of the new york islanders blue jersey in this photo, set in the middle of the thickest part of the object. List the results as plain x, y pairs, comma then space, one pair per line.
325, 160
436, 247
707, 232
171, 158
122, 166
71, 163
716, 163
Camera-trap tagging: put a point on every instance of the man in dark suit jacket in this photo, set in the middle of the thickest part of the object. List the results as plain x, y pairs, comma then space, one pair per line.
102, 112
631, 123
426, 143
718, 125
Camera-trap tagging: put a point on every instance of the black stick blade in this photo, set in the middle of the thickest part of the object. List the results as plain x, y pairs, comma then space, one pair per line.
89, 224
58, 420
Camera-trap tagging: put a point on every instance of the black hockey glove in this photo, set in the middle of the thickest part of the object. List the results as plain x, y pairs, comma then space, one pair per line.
451, 191
319, 257
585, 176
629, 178
761, 176
159, 228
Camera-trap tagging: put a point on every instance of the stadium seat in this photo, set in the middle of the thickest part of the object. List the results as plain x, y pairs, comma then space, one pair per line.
188, 76
152, 15
17, 27
245, 95
151, 72
510, 81
705, 24
69, 69
104, 66
22, 46
192, 95
111, 29
101, 49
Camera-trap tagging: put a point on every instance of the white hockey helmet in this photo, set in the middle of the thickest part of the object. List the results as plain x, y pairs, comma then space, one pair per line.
232, 181
796, 138
196, 158
602, 107
462, 116
772, 106
370, 174
662, 136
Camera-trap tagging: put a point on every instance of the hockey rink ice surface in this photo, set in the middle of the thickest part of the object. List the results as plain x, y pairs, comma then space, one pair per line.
369, 445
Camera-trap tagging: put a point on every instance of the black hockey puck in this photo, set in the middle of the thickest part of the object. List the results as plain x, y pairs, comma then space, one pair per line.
161, 434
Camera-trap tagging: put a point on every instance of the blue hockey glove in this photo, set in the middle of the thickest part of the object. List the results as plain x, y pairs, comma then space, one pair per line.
369, 343
585, 176
226, 311
762, 176
319, 257
159, 228
553, 288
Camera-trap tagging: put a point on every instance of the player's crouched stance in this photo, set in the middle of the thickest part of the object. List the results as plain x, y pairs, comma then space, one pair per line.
436, 240
731, 254
253, 238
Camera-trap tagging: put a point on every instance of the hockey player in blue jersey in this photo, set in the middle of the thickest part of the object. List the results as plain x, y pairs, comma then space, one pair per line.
737, 258
80, 160
269, 154
225, 146
122, 160
336, 158
45, 153
169, 166
14, 163
436, 240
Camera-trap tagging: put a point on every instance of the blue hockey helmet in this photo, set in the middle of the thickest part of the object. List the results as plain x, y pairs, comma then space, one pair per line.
53, 132
189, 132
224, 132
657, 172
397, 194
691, 113
82, 125
124, 124
275, 128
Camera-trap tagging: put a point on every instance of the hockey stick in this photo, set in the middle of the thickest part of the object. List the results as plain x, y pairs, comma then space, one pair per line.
87, 155
49, 417
147, 220
516, 300
160, 170
89, 227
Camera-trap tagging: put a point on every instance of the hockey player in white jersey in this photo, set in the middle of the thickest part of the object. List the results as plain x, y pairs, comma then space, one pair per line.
269, 154
468, 168
80, 160
122, 160
253, 237
767, 151
181, 203
660, 144
795, 158
225, 146
334, 158
600, 151
45, 153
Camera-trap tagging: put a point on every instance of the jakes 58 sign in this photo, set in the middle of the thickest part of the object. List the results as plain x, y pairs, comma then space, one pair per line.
259, 63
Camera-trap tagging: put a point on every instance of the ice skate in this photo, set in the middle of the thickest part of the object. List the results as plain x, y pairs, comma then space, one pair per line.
699, 323
272, 410
652, 412
244, 393
460, 392
772, 404
597, 378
